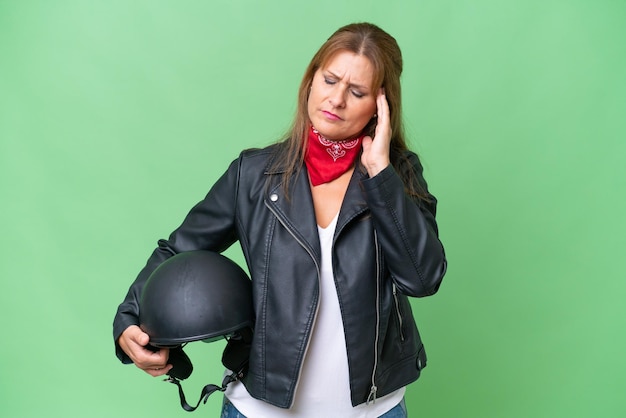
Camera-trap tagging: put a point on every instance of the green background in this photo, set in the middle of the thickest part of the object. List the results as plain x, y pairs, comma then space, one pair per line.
117, 116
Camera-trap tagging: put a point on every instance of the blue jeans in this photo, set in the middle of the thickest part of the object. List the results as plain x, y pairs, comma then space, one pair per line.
229, 411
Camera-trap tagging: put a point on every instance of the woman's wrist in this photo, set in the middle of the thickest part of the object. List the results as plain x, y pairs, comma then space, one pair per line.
375, 168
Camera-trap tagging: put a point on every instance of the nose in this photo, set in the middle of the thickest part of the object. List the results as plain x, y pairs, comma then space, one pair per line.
337, 97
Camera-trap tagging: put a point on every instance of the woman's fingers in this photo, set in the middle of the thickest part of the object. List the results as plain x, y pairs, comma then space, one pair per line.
134, 343
383, 127
375, 155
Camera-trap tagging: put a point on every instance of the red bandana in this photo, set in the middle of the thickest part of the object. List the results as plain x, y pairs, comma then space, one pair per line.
327, 160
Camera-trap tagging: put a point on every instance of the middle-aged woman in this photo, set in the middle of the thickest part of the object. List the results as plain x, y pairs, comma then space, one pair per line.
337, 228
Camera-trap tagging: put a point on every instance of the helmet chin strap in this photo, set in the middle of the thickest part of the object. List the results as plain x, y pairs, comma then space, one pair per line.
235, 358
206, 391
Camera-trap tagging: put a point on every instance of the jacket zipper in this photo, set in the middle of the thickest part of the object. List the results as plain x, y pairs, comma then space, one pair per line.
373, 389
398, 312
317, 306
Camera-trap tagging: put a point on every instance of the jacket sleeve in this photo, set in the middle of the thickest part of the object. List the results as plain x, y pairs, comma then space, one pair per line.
407, 231
210, 225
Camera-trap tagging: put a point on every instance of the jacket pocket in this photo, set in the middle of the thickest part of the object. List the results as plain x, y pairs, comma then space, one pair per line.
399, 314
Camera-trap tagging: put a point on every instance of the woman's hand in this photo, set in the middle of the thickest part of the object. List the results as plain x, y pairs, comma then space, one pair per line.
133, 341
375, 156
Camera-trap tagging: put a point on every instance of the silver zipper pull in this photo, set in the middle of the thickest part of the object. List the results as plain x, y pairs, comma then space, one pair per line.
372, 396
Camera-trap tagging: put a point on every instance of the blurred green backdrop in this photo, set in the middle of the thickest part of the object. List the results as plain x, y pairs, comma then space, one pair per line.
117, 116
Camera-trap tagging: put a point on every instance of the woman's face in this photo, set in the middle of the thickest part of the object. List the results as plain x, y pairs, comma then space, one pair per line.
341, 101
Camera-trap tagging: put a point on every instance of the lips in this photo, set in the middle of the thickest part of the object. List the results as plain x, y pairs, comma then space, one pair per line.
330, 115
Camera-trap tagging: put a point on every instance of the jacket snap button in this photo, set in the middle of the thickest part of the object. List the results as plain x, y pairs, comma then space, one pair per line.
274, 197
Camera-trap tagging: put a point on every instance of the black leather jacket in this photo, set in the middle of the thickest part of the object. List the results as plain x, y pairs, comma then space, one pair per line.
386, 247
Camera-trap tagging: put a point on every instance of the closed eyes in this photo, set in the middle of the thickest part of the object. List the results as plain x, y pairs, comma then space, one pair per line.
355, 92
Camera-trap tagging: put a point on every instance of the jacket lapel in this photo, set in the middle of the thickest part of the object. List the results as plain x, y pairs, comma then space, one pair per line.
353, 202
296, 213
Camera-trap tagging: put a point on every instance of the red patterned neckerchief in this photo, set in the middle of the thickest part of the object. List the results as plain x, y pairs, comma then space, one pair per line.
326, 160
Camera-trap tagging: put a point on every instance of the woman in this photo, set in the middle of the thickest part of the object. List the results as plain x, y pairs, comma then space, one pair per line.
337, 228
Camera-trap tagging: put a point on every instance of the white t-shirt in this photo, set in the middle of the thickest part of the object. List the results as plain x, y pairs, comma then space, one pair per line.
323, 389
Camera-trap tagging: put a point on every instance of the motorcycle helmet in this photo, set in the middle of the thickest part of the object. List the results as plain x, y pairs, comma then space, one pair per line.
198, 296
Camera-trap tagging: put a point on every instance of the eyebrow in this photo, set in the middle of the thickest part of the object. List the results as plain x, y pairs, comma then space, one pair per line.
359, 86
